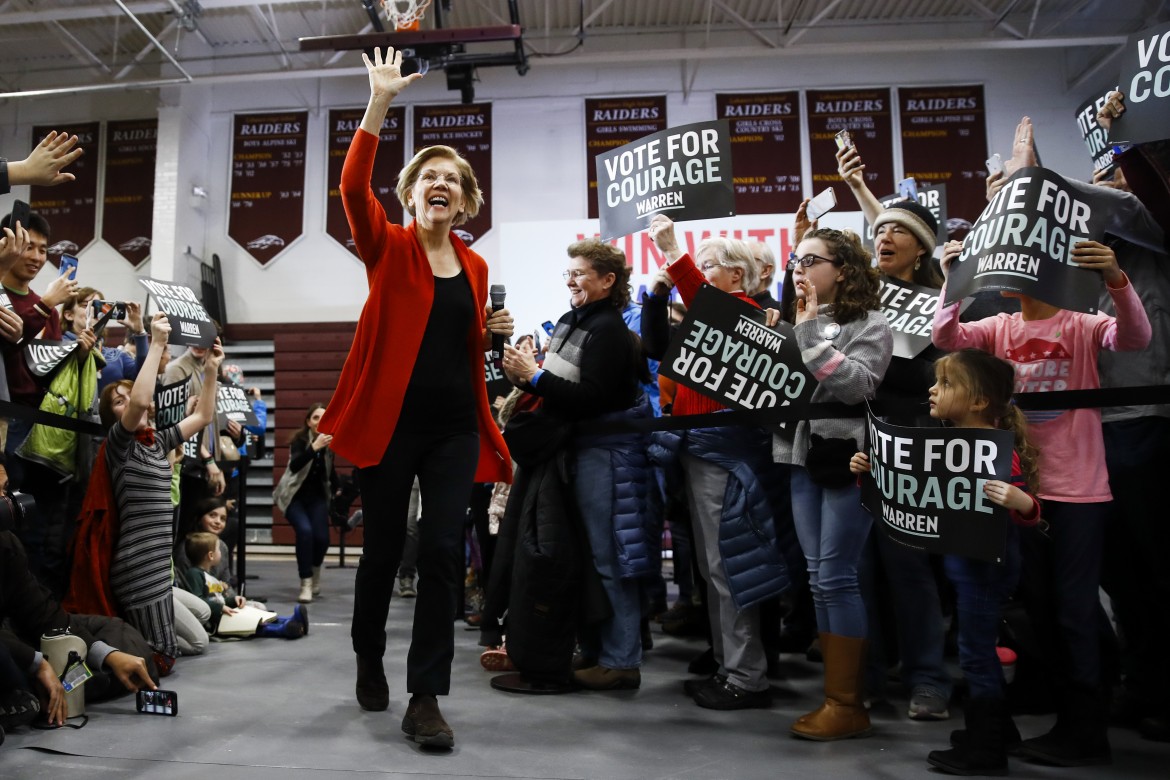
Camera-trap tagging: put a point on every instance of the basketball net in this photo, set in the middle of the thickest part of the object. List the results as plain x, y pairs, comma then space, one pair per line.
404, 14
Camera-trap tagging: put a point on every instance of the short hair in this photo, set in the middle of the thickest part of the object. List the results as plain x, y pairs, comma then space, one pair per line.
606, 259
198, 545
733, 253
106, 402
36, 224
472, 196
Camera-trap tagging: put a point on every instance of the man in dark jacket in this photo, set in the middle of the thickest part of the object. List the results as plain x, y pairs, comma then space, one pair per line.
33, 613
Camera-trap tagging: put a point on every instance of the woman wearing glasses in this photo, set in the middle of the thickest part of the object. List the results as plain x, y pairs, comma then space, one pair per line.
718, 462
904, 241
831, 295
412, 401
593, 372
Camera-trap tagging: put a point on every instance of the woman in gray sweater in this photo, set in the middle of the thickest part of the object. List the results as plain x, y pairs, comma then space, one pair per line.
831, 296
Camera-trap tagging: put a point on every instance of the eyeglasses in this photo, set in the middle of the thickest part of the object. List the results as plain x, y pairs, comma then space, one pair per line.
430, 177
808, 261
705, 267
567, 275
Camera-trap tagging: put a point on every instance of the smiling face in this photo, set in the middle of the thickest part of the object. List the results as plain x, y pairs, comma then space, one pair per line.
437, 193
214, 521
36, 252
897, 251
585, 284
824, 276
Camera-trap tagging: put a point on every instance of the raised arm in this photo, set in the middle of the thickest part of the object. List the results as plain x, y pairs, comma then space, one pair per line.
204, 411
142, 393
367, 218
852, 172
44, 165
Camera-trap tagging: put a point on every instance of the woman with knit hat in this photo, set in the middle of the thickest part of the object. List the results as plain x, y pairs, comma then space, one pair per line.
904, 241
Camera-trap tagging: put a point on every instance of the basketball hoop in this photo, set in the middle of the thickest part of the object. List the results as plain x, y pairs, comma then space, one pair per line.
404, 14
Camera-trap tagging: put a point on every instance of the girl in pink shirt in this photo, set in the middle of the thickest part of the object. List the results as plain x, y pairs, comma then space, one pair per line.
1055, 349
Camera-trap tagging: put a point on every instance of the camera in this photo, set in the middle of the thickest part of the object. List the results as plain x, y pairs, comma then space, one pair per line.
117, 307
15, 508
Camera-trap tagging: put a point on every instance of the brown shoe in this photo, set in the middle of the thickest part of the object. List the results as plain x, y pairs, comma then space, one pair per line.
373, 693
425, 723
842, 715
602, 678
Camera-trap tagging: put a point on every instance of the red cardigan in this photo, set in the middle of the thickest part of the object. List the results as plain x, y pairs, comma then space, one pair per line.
365, 406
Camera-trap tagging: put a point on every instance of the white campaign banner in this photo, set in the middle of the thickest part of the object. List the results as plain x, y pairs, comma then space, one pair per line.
533, 256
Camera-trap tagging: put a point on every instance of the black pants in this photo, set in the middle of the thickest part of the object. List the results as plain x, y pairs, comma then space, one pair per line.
445, 465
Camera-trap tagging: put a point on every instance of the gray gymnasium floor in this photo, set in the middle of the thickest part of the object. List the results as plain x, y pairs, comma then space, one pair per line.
268, 709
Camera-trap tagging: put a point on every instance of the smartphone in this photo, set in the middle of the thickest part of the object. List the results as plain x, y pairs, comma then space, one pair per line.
908, 189
548, 327
68, 266
995, 164
844, 139
158, 702
821, 204
20, 213
117, 307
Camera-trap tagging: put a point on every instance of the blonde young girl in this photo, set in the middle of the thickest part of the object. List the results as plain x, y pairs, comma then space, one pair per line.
973, 389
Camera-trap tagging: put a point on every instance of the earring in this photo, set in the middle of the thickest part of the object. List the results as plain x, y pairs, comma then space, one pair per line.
917, 264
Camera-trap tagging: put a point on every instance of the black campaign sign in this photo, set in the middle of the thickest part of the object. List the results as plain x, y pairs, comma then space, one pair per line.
724, 351
170, 403
926, 490
44, 355
190, 324
1145, 82
910, 311
685, 171
1023, 242
1096, 138
232, 403
497, 384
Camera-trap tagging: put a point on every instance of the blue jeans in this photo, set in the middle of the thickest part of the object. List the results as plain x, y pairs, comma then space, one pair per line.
832, 527
619, 635
308, 514
981, 588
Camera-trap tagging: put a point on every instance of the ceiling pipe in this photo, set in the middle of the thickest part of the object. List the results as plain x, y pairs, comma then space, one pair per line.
186, 76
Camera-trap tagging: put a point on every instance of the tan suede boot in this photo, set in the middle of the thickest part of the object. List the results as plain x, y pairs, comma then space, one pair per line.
842, 715
316, 580
306, 594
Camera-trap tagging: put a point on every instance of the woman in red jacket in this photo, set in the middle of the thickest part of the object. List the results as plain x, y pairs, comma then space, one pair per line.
412, 400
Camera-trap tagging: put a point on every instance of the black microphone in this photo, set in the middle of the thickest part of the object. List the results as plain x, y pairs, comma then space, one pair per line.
496, 291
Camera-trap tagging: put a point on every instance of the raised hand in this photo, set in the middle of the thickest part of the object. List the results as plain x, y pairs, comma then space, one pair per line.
1098, 257
850, 167
1113, 108
160, 328
44, 166
386, 79
661, 232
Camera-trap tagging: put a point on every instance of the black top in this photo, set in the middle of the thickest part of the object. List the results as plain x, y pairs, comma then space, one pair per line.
595, 341
440, 391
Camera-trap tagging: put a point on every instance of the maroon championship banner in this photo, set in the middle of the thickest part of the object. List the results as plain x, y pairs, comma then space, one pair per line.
765, 150
128, 202
343, 122
944, 141
468, 130
865, 113
71, 209
268, 182
614, 122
